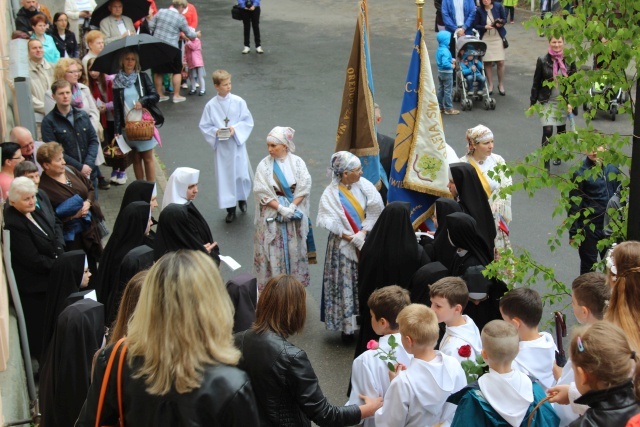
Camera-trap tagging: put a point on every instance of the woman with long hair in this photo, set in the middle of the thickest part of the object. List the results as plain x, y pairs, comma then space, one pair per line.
623, 276
134, 91
287, 389
180, 358
64, 38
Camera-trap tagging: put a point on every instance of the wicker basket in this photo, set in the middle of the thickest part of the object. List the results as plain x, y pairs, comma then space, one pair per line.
115, 158
139, 131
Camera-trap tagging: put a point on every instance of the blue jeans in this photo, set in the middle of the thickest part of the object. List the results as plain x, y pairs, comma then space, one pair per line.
479, 78
445, 86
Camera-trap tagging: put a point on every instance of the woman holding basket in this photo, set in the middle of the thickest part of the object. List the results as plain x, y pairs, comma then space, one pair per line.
134, 97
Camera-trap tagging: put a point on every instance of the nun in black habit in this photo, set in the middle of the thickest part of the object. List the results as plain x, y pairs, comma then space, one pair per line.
129, 231
65, 375
421, 283
472, 256
142, 191
182, 189
439, 248
390, 256
472, 197
182, 227
69, 273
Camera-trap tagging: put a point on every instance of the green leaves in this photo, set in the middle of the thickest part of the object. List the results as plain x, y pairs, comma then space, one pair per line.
474, 369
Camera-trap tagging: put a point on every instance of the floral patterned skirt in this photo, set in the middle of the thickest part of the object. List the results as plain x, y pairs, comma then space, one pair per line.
269, 260
339, 289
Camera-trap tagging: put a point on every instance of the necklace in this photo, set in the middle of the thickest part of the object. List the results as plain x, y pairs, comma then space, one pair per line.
226, 113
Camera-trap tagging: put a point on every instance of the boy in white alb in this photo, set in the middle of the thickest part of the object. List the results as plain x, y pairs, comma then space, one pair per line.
370, 374
226, 125
511, 394
522, 307
417, 396
590, 296
461, 340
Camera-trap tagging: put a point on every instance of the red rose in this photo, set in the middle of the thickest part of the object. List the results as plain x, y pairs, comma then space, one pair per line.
372, 345
465, 351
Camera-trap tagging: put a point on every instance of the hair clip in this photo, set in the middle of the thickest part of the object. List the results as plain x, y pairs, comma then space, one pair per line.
580, 346
633, 355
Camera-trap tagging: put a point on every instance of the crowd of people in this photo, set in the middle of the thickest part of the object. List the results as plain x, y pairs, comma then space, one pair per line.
420, 312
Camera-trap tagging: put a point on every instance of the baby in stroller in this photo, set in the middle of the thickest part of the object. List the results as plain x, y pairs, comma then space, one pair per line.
472, 70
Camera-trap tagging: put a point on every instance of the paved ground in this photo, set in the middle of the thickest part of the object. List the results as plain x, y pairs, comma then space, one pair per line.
298, 82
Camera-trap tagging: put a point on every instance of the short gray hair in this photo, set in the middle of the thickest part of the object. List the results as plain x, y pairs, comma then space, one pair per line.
20, 187
178, 3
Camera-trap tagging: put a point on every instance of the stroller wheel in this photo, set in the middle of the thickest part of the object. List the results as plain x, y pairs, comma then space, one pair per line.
469, 104
613, 111
487, 104
492, 104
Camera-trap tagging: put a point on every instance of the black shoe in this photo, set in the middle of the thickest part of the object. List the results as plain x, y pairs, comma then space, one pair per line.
557, 162
231, 215
243, 205
348, 338
192, 92
502, 92
103, 184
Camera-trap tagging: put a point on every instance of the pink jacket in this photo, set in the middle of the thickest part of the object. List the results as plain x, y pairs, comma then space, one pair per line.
193, 53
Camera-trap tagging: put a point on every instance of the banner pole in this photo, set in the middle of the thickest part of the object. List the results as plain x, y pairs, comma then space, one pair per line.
420, 5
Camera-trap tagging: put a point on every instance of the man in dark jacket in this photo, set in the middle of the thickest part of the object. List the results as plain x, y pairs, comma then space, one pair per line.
594, 191
23, 17
72, 128
385, 143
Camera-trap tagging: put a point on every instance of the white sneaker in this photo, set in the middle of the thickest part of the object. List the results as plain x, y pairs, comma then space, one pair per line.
121, 178
259, 49
184, 86
246, 50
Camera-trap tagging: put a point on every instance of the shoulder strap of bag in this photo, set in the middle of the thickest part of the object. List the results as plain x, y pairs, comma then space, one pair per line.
120, 366
140, 84
105, 382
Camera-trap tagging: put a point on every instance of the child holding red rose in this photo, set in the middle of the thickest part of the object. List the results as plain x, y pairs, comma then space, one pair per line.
503, 396
461, 340
417, 396
369, 374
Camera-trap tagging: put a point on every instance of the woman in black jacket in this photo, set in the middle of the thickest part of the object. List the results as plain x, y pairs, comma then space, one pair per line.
548, 68
36, 243
133, 90
64, 39
179, 367
286, 387
489, 22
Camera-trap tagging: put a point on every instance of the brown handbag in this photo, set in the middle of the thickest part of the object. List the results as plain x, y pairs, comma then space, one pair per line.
105, 382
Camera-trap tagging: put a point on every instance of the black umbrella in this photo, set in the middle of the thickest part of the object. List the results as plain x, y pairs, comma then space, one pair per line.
152, 52
134, 9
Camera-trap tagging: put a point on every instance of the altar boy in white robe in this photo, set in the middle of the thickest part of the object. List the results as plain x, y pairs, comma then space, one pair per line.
504, 396
369, 373
449, 297
226, 125
417, 396
522, 307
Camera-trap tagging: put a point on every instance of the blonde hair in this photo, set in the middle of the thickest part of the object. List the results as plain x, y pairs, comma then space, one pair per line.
182, 322
125, 53
603, 351
62, 66
420, 323
624, 306
500, 341
92, 36
220, 75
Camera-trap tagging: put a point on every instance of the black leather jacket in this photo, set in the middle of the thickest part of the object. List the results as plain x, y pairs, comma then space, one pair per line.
609, 407
148, 101
286, 387
224, 398
68, 45
544, 73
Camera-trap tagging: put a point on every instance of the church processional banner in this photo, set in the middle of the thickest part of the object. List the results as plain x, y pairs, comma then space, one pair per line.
419, 169
356, 125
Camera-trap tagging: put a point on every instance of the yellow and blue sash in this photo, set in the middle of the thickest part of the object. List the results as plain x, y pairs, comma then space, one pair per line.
352, 208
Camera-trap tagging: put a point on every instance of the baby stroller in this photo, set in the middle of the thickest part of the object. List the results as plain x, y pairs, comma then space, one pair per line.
611, 98
466, 95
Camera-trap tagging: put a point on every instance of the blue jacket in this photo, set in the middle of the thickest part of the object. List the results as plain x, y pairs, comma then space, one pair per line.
466, 68
79, 140
480, 21
473, 406
243, 3
443, 54
594, 192
449, 16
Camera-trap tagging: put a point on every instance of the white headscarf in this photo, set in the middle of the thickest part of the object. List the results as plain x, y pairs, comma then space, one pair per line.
282, 135
342, 161
178, 184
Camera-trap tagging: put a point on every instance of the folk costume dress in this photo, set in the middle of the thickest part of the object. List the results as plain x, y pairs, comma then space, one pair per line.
344, 211
229, 156
281, 247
